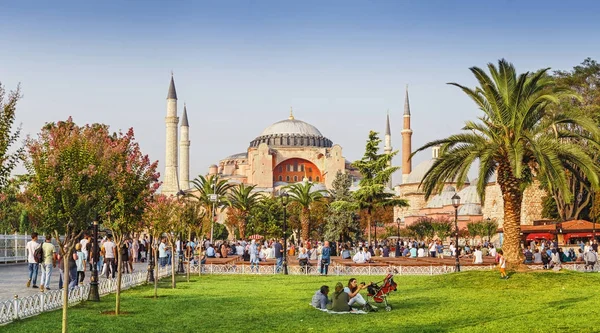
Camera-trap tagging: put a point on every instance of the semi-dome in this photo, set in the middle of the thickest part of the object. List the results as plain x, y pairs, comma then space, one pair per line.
470, 209
292, 132
469, 195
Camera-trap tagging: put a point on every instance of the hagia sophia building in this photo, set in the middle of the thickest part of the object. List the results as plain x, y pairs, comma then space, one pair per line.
292, 150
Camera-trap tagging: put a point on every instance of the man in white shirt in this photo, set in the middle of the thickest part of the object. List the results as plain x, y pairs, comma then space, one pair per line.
109, 250
84, 242
33, 265
162, 253
478, 256
359, 257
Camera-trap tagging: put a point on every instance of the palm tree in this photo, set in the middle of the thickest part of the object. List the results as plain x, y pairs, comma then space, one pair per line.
206, 187
242, 200
516, 139
302, 194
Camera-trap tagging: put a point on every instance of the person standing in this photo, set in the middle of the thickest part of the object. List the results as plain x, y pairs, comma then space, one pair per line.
81, 260
502, 264
85, 245
162, 253
325, 258
48, 262
278, 249
32, 264
253, 256
135, 248
109, 252
73, 267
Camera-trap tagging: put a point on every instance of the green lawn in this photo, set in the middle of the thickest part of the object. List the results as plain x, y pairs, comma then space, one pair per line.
464, 302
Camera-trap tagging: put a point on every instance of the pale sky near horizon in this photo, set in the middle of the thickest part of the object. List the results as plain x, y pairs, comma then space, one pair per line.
240, 65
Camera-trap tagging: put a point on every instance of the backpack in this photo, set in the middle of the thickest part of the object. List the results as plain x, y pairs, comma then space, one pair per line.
38, 255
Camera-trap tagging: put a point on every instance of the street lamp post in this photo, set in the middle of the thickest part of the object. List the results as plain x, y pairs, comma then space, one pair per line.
593, 215
213, 198
284, 201
180, 268
398, 221
94, 293
375, 242
456, 203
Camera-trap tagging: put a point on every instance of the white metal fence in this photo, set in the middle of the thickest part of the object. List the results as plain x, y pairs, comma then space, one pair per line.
335, 269
19, 308
12, 248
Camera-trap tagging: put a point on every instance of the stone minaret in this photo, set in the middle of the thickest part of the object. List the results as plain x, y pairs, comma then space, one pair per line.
184, 152
170, 185
387, 148
406, 140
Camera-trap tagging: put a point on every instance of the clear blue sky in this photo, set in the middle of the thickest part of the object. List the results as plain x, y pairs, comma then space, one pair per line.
240, 65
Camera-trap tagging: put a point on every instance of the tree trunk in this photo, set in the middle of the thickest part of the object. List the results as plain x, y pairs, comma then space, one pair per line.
305, 223
65, 291
173, 251
119, 277
513, 197
155, 255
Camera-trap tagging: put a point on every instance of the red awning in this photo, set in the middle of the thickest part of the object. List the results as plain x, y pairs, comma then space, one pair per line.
540, 235
579, 235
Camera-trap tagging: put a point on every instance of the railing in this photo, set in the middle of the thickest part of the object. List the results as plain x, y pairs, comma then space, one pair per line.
19, 308
12, 247
335, 269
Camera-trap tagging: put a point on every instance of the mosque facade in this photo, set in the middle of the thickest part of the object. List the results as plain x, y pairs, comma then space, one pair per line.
292, 150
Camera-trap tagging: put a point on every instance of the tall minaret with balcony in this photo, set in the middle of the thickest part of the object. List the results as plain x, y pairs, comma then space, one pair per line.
406, 140
184, 152
170, 185
387, 148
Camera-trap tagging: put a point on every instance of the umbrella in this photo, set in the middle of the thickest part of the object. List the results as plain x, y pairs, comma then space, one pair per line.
255, 237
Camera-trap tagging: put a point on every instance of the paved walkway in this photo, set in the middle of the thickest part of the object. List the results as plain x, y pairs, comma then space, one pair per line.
13, 279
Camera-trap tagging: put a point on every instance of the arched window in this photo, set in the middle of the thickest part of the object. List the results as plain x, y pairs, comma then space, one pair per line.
310, 178
287, 179
318, 178
295, 178
280, 178
295, 166
302, 167
280, 169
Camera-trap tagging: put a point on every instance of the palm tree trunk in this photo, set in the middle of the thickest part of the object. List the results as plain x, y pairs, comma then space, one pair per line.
513, 197
305, 221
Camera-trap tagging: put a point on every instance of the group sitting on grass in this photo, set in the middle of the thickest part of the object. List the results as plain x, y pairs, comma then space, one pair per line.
343, 298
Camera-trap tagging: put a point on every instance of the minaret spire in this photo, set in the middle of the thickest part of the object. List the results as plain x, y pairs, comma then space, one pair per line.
184, 151
406, 140
387, 148
170, 183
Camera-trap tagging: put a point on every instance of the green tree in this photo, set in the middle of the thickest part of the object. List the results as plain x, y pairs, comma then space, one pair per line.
266, 218
67, 174
158, 217
376, 173
341, 218
192, 217
422, 228
443, 228
475, 229
584, 79
489, 228
133, 182
206, 187
303, 194
242, 199
514, 139
8, 110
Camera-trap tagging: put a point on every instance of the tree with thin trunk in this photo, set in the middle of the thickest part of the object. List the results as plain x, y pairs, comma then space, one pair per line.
376, 172
242, 199
515, 139
192, 217
158, 217
304, 194
134, 181
68, 175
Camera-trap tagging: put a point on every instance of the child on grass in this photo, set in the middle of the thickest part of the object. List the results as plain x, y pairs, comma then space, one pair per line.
502, 265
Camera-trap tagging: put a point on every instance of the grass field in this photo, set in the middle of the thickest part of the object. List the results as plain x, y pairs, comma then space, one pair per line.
464, 302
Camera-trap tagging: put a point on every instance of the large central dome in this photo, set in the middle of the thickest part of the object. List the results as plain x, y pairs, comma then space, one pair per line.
292, 132
291, 126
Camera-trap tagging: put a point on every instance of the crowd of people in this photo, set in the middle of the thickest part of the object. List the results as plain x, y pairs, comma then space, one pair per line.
549, 254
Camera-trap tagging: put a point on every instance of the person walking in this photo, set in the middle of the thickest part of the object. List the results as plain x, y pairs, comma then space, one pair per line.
502, 264
278, 249
325, 258
254, 257
48, 262
32, 263
109, 250
81, 260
